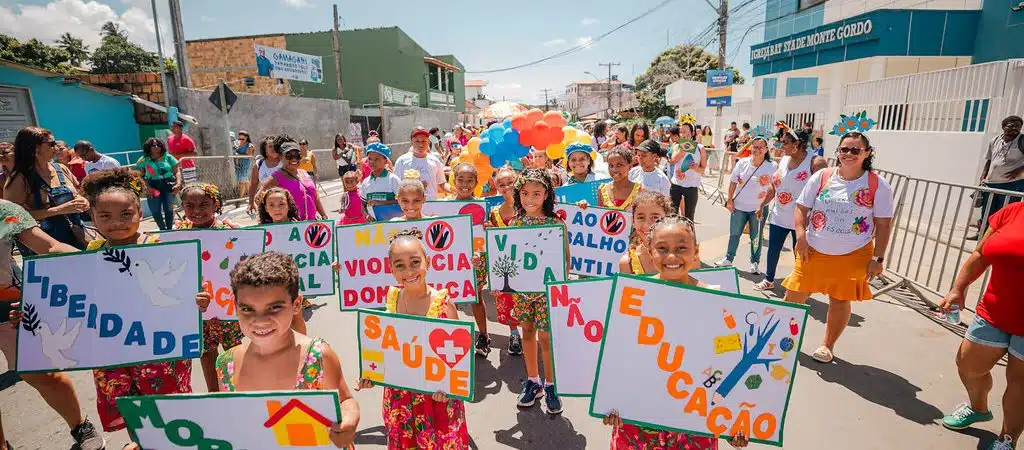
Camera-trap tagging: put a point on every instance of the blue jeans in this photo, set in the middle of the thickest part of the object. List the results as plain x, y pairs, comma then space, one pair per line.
999, 200
776, 239
161, 205
736, 223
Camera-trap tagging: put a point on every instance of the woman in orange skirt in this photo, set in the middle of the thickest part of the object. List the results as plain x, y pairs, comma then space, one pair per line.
843, 221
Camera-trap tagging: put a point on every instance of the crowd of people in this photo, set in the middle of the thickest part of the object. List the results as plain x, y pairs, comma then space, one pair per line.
837, 219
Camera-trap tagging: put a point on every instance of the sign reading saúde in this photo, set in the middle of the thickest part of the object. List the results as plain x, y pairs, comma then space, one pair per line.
522, 259
419, 354
221, 250
699, 361
276, 63
577, 310
310, 243
719, 88
109, 307
826, 36
597, 238
269, 419
366, 271
476, 209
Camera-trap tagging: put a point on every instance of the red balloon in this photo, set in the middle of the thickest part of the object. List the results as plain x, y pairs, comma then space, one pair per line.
526, 137
519, 122
534, 115
556, 135
555, 119
541, 135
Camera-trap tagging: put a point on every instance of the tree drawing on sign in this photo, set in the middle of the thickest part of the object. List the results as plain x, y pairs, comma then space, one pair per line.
506, 267
751, 357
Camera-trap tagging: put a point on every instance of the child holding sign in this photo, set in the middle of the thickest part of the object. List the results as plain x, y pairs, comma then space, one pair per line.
266, 290
535, 205
505, 181
415, 420
411, 196
648, 208
675, 252
621, 192
116, 213
201, 203
580, 164
276, 205
465, 180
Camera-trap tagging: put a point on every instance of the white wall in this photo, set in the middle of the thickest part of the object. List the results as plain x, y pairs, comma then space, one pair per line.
836, 10
950, 157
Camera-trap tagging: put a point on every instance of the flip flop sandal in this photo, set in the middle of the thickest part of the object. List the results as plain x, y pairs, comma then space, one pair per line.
764, 286
823, 355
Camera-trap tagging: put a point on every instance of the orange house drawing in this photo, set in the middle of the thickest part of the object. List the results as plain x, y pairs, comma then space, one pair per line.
296, 424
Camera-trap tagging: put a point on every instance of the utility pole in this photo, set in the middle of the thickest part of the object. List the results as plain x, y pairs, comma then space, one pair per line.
160, 54
180, 56
337, 51
608, 114
723, 25
546, 108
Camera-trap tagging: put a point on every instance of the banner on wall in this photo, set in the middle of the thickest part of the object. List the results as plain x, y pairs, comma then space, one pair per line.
522, 259
438, 353
277, 63
477, 209
221, 249
311, 245
598, 237
109, 307
366, 271
727, 361
719, 84
268, 419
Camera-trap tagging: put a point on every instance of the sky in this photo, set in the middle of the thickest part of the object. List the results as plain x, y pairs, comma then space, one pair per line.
483, 36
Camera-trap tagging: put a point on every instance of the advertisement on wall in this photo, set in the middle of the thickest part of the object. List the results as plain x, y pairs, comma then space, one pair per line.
719, 88
277, 63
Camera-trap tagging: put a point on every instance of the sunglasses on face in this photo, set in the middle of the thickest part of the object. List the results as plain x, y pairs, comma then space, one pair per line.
851, 150
51, 143
293, 155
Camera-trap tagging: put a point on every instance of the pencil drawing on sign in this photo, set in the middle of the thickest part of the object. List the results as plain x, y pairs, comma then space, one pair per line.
55, 342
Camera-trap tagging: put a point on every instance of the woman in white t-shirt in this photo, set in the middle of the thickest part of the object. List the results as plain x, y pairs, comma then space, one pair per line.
795, 168
843, 220
749, 194
686, 180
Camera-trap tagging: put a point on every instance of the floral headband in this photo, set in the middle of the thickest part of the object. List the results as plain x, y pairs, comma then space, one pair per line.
208, 189
135, 184
761, 132
687, 118
532, 176
855, 123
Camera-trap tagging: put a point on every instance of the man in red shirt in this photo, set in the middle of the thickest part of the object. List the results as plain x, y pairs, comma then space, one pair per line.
181, 146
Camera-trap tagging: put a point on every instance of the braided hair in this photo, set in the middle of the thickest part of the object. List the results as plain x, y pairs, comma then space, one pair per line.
673, 219
411, 234
206, 189
536, 176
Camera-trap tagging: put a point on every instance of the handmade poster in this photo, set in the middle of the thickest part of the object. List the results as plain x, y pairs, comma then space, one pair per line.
384, 213
726, 279
366, 271
232, 420
699, 361
477, 209
598, 238
522, 259
419, 354
577, 311
573, 193
222, 249
494, 201
109, 307
310, 243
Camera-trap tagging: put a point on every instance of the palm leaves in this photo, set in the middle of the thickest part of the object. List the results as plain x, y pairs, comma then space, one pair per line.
30, 319
119, 256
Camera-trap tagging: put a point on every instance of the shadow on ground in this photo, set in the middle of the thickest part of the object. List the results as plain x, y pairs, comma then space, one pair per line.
536, 429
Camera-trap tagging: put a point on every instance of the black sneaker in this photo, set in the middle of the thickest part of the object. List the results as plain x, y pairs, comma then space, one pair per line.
531, 392
483, 344
515, 345
87, 437
551, 400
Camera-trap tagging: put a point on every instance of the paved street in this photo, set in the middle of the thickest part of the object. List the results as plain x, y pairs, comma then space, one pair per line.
893, 378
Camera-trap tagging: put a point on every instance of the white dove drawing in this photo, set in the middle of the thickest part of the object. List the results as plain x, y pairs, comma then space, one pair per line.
53, 343
153, 284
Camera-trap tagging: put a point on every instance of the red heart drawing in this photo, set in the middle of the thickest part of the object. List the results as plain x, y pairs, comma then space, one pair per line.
451, 348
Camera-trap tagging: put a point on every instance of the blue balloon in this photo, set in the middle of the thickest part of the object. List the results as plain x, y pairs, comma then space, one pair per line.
496, 133
497, 160
486, 146
507, 123
511, 135
521, 151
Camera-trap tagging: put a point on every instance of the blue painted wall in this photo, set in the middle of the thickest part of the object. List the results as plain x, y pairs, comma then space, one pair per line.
1000, 32
894, 33
72, 112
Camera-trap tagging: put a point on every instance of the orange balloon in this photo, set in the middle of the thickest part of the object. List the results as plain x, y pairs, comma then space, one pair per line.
481, 160
534, 115
541, 135
526, 137
556, 135
555, 119
519, 122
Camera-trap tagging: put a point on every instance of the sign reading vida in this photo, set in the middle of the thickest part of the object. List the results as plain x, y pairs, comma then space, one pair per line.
522, 259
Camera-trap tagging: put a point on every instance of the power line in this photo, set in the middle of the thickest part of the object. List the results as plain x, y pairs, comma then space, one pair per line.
578, 47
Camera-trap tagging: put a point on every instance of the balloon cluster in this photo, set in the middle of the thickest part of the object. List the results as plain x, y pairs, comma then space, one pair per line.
513, 138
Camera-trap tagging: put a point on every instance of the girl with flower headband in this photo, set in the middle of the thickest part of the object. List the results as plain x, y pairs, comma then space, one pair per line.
843, 220
620, 192
201, 203
748, 198
535, 205
505, 184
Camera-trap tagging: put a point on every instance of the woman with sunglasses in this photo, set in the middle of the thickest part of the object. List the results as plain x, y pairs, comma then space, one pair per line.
162, 174
295, 180
843, 220
48, 190
244, 151
268, 161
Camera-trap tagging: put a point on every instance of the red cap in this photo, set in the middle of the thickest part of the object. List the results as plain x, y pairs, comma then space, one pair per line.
419, 130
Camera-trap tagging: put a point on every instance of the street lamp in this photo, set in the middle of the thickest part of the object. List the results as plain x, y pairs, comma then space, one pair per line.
595, 76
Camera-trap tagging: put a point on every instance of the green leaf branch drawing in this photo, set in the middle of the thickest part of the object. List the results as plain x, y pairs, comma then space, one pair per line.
30, 319
119, 256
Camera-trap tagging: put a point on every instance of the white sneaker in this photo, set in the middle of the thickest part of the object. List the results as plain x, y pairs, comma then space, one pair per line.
1003, 443
754, 269
724, 262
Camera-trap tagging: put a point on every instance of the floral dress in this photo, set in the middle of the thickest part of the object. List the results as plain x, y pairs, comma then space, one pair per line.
503, 301
15, 221
415, 421
532, 307
216, 332
161, 378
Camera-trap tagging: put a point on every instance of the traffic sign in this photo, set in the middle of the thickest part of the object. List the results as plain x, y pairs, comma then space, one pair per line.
229, 97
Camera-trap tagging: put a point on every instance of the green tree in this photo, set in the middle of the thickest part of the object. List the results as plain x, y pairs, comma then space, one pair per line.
116, 54
110, 29
77, 51
34, 53
687, 62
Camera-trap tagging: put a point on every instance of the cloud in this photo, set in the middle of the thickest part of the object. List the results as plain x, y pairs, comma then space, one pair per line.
586, 41
298, 3
83, 19
207, 19
552, 42
507, 86
588, 21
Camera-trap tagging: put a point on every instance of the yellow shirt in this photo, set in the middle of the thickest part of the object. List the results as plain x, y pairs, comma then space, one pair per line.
308, 163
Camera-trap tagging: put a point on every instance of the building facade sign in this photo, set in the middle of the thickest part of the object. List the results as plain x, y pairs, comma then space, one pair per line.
823, 35
395, 96
277, 63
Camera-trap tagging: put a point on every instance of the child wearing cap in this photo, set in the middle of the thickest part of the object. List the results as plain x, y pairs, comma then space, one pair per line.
647, 173
580, 164
418, 158
381, 185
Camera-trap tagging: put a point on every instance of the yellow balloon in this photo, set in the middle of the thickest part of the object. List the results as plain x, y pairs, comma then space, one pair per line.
473, 146
584, 138
556, 151
570, 134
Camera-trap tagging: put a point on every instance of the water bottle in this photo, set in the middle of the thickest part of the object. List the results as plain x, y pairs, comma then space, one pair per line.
953, 315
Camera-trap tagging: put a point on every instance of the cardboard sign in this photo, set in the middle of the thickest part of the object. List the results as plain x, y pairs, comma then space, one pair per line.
573, 193
522, 259
699, 361
312, 246
268, 419
384, 213
598, 238
366, 271
222, 249
419, 354
725, 279
110, 307
577, 310
477, 209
